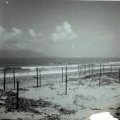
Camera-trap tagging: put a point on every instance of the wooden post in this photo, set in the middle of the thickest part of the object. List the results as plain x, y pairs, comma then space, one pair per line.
4, 79
37, 75
103, 69
111, 69
89, 69
17, 97
81, 70
92, 71
62, 74
14, 77
85, 69
100, 75
119, 75
99, 81
78, 71
40, 76
100, 70
66, 82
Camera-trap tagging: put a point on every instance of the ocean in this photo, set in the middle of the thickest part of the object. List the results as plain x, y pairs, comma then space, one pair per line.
52, 61
27, 66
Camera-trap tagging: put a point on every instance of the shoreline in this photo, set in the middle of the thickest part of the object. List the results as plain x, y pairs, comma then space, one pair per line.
82, 94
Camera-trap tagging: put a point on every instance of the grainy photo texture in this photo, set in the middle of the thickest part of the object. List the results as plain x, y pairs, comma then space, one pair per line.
59, 60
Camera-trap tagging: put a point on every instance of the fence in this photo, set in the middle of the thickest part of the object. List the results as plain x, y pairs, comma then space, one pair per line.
64, 73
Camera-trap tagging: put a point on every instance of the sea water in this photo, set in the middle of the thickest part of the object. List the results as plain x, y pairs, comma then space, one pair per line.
27, 66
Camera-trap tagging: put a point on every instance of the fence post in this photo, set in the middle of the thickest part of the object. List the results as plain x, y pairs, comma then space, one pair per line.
66, 82
4, 78
119, 75
92, 71
103, 68
17, 97
100, 75
37, 76
100, 70
14, 77
111, 69
85, 69
40, 76
78, 71
62, 74
89, 69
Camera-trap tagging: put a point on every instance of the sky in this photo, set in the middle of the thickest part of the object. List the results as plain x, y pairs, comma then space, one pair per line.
62, 28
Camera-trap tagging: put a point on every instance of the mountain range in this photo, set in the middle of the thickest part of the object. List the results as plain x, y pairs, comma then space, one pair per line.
20, 54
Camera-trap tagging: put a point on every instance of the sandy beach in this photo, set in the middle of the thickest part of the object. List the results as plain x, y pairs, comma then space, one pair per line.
84, 96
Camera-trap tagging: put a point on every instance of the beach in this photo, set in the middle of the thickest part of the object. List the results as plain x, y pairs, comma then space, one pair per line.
85, 96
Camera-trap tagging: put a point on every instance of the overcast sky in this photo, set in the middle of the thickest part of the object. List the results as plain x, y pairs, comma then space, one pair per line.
63, 28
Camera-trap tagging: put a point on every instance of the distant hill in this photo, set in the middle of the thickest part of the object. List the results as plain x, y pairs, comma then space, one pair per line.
20, 54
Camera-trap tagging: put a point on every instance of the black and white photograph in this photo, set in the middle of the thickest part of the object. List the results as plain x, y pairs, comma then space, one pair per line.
59, 60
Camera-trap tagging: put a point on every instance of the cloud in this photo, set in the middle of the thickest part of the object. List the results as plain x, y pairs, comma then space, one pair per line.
64, 33
14, 34
10, 39
35, 36
9, 35
32, 33
2, 30
16, 39
67, 27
